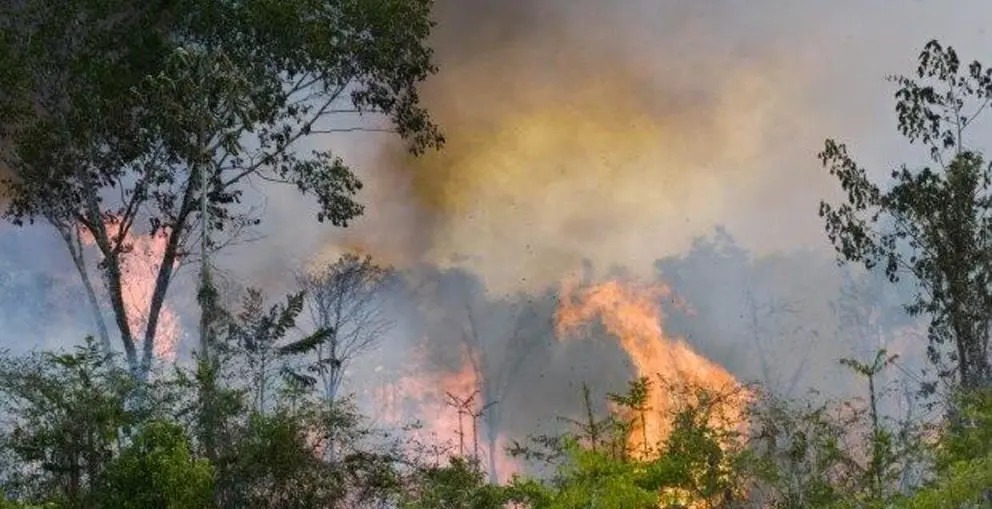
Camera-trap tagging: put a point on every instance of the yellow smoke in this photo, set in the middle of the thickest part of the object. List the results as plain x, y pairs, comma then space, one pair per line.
572, 136
535, 179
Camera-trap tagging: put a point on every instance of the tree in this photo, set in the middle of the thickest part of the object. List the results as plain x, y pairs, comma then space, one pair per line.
697, 464
158, 470
68, 420
261, 335
113, 125
265, 428
879, 472
252, 353
346, 300
933, 223
275, 464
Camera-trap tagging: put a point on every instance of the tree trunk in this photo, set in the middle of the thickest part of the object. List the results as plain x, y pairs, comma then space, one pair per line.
164, 277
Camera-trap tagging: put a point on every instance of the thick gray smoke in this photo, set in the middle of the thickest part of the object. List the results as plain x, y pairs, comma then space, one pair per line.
618, 132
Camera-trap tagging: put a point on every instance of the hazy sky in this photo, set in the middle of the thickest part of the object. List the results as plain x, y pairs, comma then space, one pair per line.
618, 130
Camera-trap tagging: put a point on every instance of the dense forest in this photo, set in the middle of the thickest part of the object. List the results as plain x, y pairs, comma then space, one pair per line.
141, 140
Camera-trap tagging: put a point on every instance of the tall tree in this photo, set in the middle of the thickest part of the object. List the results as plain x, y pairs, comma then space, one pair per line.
932, 223
114, 122
262, 335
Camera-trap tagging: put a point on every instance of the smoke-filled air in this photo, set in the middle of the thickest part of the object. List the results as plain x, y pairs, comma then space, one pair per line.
483, 254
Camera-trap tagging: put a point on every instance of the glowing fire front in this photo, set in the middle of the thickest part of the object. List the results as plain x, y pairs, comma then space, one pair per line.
632, 314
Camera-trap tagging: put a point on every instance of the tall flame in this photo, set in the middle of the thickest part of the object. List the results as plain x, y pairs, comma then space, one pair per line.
632, 313
139, 269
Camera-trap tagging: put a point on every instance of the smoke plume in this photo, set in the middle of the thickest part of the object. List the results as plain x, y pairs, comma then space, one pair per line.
575, 135
618, 131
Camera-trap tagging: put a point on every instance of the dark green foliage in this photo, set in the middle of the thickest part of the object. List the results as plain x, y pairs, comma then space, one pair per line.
795, 457
461, 484
272, 435
697, 463
70, 420
802, 459
971, 438
157, 470
273, 465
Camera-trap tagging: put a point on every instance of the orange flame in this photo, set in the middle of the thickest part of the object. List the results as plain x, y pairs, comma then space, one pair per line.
139, 269
632, 314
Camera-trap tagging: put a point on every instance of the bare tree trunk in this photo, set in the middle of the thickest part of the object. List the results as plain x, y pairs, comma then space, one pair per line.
342, 298
113, 280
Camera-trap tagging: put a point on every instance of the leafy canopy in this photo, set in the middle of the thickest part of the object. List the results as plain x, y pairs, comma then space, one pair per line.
111, 125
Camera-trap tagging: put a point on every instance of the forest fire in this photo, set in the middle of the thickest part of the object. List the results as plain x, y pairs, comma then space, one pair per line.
140, 268
632, 314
